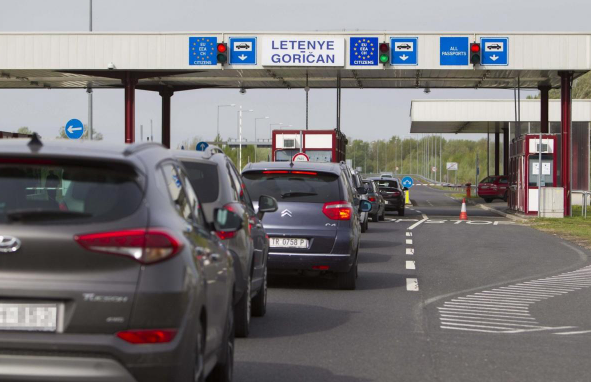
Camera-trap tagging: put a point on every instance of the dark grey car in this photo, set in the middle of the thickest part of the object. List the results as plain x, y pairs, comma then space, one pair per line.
378, 209
106, 250
315, 230
218, 185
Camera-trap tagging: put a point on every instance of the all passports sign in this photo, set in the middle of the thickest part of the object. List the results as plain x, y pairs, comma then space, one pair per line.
303, 51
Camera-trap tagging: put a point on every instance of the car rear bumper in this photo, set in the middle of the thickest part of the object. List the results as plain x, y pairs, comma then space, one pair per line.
62, 369
394, 205
490, 193
281, 261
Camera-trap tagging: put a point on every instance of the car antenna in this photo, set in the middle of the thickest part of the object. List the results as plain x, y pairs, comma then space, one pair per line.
35, 143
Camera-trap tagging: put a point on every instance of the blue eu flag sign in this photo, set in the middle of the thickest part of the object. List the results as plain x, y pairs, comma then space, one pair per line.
363, 51
203, 50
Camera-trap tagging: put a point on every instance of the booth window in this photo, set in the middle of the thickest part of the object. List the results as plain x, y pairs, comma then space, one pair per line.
547, 170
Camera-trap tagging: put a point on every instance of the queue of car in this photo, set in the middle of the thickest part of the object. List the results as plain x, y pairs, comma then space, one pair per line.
139, 263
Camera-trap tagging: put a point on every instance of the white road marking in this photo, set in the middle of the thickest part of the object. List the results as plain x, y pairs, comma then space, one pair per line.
408, 233
478, 310
430, 203
464, 312
410, 251
417, 224
454, 320
513, 319
409, 241
410, 264
579, 332
412, 284
419, 212
485, 307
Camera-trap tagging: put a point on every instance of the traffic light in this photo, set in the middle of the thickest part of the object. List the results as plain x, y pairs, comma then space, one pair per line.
384, 53
475, 53
222, 56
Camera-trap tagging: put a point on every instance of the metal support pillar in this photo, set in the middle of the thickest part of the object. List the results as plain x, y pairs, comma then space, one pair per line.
497, 153
129, 82
566, 79
505, 151
166, 94
339, 101
544, 126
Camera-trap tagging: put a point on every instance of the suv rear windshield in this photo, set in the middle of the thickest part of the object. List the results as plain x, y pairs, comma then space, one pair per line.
54, 193
312, 188
382, 183
204, 179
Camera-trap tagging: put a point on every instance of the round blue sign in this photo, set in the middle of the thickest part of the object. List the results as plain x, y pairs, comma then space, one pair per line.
201, 146
407, 182
74, 129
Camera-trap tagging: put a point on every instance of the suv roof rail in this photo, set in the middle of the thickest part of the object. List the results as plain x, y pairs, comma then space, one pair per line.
136, 147
213, 149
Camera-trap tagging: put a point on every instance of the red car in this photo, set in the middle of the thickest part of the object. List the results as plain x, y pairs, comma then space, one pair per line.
493, 187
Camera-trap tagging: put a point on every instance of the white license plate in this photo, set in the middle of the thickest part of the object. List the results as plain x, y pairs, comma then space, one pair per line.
387, 202
285, 242
28, 317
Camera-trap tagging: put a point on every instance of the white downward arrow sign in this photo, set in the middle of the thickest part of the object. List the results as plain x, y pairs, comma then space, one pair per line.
494, 57
404, 57
243, 57
71, 129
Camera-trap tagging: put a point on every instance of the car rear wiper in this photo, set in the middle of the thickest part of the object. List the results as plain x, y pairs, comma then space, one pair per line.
297, 193
41, 215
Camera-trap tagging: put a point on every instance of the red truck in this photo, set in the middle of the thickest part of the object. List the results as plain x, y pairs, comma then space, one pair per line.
318, 145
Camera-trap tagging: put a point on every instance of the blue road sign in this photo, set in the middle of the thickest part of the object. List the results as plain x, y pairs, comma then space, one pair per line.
74, 129
495, 51
363, 51
407, 182
201, 146
243, 50
405, 50
203, 50
453, 51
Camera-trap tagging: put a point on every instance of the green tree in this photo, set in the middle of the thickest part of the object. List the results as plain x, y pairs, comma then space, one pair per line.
24, 130
95, 134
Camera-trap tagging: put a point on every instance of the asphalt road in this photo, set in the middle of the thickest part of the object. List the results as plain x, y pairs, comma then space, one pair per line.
488, 300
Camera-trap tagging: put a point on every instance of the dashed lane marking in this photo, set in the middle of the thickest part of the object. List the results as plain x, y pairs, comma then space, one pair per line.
408, 241
410, 264
412, 284
410, 251
507, 309
408, 233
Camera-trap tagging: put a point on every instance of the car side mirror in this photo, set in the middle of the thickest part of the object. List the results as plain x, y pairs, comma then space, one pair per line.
361, 190
364, 206
266, 204
226, 221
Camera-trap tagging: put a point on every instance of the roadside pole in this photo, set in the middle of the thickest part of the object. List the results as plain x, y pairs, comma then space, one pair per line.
540, 174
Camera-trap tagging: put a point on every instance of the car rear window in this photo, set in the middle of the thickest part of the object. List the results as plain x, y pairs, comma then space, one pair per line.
62, 193
293, 187
382, 183
204, 179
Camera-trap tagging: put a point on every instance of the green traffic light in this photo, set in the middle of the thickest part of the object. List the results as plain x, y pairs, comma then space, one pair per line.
383, 58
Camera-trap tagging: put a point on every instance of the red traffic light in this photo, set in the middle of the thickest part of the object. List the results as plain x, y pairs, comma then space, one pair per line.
222, 48
384, 47
475, 48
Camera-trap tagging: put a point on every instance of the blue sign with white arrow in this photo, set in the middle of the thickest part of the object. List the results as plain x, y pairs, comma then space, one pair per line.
201, 146
405, 50
243, 50
453, 51
495, 51
203, 50
74, 129
407, 182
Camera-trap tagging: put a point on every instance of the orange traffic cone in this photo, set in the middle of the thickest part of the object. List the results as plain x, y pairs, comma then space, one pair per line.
463, 213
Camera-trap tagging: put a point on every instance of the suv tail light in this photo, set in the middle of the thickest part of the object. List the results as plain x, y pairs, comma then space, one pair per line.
340, 210
396, 193
150, 336
233, 207
146, 246
371, 199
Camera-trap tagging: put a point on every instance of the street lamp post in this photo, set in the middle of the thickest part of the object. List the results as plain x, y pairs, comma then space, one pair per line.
240, 135
89, 88
255, 137
271, 128
218, 124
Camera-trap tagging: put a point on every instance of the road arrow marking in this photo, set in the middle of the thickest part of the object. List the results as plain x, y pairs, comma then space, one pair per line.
243, 57
71, 129
404, 57
494, 57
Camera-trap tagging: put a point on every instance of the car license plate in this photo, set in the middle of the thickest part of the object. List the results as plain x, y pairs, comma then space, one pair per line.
288, 242
387, 202
28, 317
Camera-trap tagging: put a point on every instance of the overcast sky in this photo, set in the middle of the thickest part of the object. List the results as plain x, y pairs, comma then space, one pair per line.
366, 114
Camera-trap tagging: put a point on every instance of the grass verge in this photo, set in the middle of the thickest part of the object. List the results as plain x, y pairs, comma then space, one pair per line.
574, 228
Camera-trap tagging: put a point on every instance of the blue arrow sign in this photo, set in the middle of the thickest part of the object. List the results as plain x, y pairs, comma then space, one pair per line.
495, 51
202, 146
453, 51
405, 50
74, 129
243, 50
407, 182
203, 50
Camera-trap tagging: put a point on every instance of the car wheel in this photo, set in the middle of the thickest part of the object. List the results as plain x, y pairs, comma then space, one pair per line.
383, 215
366, 224
363, 227
488, 200
401, 212
243, 312
224, 370
199, 368
348, 280
259, 303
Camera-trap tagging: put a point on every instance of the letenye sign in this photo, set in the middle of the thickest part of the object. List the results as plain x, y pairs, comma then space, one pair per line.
303, 51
